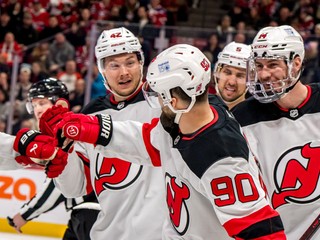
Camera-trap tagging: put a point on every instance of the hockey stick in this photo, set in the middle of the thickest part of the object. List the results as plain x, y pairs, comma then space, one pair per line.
311, 229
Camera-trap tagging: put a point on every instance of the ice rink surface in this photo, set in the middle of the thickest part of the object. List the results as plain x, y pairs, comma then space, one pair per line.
11, 236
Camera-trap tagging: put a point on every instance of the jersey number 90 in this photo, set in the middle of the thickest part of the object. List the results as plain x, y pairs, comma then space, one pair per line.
228, 190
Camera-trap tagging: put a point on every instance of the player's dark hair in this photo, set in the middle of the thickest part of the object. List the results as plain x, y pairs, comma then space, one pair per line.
200, 98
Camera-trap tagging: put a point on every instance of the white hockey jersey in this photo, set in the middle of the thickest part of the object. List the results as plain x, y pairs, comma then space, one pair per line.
7, 154
212, 185
131, 196
286, 143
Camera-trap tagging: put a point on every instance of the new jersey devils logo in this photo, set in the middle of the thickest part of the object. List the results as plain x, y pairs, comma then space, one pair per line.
296, 176
177, 194
113, 173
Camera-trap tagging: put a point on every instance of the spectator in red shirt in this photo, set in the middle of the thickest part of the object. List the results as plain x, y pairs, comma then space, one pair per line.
100, 10
39, 16
157, 13
67, 16
85, 19
9, 46
29, 3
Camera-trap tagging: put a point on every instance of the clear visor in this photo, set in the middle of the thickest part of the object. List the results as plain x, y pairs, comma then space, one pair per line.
266, 79
150, 96
153, 98
226, 72
29, 106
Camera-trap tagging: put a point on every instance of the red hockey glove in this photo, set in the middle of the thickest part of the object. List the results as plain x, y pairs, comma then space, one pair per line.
90, 129
40, 148
24, 160
55, 167
52, 117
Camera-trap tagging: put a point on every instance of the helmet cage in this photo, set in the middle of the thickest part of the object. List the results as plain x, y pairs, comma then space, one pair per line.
282, 42
269, 91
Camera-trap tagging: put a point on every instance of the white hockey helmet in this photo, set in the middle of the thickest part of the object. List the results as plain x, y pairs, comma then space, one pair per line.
183, 66
116, 41
284, 43
234, 54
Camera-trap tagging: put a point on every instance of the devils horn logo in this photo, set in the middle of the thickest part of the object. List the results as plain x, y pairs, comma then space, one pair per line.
113, 173
296, 176
177, 194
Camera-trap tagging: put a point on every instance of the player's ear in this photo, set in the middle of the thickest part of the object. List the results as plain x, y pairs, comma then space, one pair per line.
297, 63
63, 103
174, 101
178, 103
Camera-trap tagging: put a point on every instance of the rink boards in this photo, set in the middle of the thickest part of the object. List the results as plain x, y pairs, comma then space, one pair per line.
19, 186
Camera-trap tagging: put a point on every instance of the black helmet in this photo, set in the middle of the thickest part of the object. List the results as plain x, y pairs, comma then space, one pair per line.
50, 88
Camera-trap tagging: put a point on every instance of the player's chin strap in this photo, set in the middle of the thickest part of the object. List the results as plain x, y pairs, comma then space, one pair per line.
292, 86
181, 111
177, 117
296, 79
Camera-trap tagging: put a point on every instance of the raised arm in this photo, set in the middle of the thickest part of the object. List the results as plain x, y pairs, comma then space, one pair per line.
126, 140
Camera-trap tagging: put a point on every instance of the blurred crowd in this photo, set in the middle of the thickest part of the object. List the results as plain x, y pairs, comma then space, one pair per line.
51, 38
244, 18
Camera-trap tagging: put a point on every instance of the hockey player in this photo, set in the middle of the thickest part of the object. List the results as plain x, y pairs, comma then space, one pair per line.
211, 180
131, 196
230, 73
280, 123
42, 95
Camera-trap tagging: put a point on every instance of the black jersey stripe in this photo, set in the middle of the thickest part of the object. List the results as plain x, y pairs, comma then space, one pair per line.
102, 103
42, 201
259, 229
252, 111
221, 140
